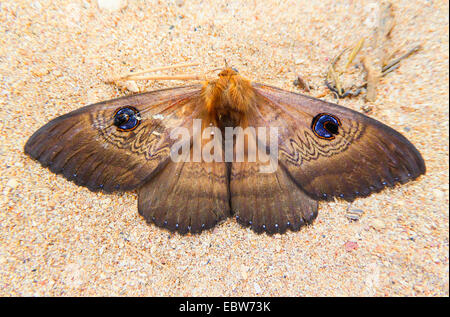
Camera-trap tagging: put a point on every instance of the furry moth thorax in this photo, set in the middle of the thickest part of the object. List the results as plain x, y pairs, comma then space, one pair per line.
228, 98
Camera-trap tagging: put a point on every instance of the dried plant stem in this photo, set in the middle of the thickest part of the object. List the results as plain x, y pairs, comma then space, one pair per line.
373, 76
354, 52
170, 77
131, 75
390, 65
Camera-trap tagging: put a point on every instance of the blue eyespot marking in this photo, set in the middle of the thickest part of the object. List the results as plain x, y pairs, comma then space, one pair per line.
127, 118
325, 126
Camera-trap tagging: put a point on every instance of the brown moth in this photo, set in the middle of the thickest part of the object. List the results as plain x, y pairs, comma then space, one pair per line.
324, 151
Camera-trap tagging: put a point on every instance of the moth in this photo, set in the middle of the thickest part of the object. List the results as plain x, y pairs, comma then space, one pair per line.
325, 151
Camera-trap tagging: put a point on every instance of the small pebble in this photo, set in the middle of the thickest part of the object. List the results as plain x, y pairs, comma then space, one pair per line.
12, 183
112, 5
377, 224
244, 270
300, 83
257, 288
438, 194
354, 214
350, 246
366, 108
131, 85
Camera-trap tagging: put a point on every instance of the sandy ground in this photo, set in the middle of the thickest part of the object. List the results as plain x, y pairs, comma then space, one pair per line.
60, 239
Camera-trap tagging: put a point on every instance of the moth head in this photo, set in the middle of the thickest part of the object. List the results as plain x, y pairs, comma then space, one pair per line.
228, 72
126, 118
325, 126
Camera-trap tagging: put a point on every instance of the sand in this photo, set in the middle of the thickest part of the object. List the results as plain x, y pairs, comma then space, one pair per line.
58, 239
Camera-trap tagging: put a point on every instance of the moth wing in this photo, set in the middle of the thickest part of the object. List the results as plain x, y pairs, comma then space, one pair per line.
86, 147
363, 157
267, 201
187, 196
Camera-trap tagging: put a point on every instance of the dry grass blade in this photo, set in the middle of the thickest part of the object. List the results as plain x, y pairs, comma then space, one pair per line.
334, 74
335, 78
385, 26
170, 77
129, 75
354, 52
389, 67
373, 76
